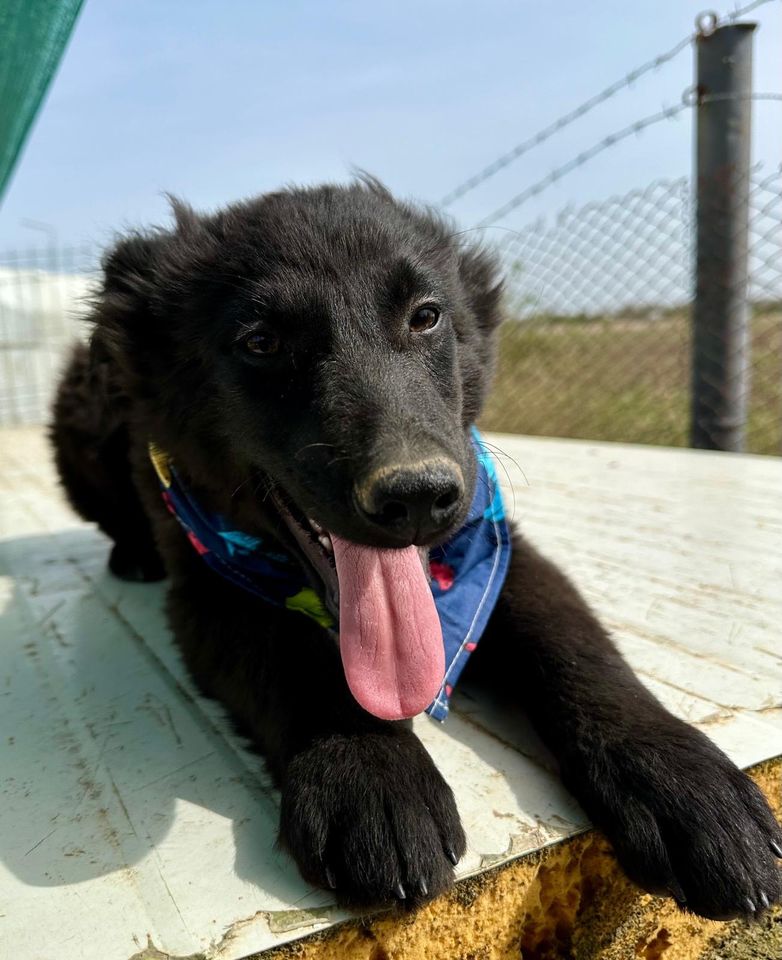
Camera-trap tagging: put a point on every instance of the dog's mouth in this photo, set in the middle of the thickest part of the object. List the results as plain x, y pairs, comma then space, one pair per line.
390, 637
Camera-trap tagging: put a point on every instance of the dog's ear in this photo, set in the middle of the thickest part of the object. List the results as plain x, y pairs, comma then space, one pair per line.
480, 277
129, 267
124, 299
479, 271
118, 305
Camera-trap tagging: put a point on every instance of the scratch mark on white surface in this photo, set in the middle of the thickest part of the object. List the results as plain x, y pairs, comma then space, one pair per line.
171, 895
171, 773
50, 613
124, 809
36, 845
170, 720
100, 755
724, 711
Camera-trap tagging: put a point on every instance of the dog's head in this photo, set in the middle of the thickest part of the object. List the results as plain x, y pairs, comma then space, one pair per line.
330, 345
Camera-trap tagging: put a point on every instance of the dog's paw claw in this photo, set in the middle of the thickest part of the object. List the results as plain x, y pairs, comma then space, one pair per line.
776, 849
764, 902
677, 893
451, 854
399, 892
749, 905
331, 881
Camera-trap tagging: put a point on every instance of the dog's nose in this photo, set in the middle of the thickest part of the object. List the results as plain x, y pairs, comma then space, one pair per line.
413, 501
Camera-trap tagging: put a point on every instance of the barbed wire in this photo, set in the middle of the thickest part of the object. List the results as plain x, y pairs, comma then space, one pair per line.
741, 11
689, 100
553, 176
587, 106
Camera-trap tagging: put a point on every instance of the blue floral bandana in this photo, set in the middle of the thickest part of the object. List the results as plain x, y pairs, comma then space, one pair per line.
467, 572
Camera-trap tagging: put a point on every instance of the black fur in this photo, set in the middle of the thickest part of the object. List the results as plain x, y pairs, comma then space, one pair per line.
333, 273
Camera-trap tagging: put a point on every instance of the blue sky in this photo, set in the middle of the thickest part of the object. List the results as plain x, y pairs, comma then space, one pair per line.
214, 101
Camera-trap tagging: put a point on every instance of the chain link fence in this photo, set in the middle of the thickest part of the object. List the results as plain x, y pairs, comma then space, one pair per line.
598, 340
42, 295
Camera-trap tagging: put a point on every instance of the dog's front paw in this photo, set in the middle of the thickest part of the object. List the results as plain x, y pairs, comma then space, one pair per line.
371, 817
683, 819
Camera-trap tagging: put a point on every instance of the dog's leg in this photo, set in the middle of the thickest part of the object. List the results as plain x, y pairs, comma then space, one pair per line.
364, 809
91, 450
681, 816
98, 482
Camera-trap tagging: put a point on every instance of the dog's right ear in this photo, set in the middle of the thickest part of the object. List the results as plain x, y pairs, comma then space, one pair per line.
123, 302
129, 267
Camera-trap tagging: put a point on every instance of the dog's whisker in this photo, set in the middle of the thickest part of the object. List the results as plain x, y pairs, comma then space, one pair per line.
309, 446
269, 487
512, 488
499, 454
252, 476
498, 451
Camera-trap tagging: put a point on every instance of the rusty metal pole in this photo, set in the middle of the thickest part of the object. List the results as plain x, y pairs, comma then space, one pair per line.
720, 315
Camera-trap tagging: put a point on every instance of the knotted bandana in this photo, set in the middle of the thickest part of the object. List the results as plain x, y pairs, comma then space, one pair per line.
467, 572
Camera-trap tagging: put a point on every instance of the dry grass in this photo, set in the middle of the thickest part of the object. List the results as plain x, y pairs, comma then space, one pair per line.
622, 379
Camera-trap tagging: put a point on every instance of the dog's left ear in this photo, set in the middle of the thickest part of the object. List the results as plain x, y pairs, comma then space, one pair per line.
480, 273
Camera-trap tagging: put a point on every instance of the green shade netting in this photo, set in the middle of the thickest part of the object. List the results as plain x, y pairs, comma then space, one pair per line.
33, 35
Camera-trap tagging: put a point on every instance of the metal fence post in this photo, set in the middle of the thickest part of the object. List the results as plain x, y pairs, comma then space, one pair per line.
720, 367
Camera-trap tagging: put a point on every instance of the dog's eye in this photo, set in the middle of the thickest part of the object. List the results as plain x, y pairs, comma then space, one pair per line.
424, 319
262, 343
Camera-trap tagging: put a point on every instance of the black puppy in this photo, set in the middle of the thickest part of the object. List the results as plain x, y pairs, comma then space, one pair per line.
310, 363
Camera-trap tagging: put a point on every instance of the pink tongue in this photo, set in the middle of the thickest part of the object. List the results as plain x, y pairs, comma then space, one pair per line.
389, 631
